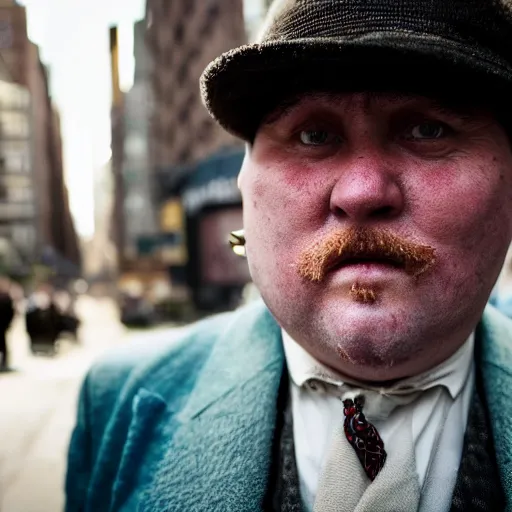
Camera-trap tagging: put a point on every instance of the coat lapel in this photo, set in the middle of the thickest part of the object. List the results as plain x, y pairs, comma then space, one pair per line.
496, 365
147, 411
219, 455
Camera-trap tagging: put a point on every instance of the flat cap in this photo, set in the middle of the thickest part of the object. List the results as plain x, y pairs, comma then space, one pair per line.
459, 48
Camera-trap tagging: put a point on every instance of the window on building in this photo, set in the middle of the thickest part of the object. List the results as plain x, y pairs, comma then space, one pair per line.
20, 194
24, 236
14, 124
193, 54
167, 57
170, 135
5, 34
184, 113
135, 146
210, 20
188, 8
9, 211
16, 155
180, 30
212, 11
205, 131
181, 75
184, 155
16, 189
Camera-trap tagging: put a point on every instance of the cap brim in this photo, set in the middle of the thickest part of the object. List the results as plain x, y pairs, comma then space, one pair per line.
242, 86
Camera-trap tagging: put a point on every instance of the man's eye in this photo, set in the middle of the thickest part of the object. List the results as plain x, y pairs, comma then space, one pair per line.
428, 130
316, 137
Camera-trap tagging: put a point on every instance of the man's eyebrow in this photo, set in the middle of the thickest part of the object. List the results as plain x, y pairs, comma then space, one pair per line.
444, 106
283, 109
287, 106
464, 111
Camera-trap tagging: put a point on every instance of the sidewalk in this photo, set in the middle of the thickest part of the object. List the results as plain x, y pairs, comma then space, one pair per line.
38, 404
37, 410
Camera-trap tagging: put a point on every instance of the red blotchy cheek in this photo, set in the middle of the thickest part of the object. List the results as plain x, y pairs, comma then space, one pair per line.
448, 203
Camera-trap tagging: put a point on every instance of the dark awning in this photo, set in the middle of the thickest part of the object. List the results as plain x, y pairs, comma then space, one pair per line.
213, 182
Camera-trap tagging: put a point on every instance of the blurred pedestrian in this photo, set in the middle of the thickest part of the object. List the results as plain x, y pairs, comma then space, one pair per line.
42, 319
7, 311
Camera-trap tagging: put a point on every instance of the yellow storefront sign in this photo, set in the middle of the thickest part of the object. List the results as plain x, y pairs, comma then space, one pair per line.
172, 221
171, 217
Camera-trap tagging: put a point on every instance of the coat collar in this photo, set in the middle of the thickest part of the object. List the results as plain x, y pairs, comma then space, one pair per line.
495, 361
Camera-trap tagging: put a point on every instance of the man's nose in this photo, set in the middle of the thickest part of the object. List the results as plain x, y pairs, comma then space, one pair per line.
367, 188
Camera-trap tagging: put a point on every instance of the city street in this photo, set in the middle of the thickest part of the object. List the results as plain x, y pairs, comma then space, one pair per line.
38, 403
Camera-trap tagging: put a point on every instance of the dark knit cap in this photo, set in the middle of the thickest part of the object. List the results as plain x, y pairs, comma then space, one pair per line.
461, 49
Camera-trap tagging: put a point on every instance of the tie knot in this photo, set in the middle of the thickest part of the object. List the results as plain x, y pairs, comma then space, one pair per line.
377, 404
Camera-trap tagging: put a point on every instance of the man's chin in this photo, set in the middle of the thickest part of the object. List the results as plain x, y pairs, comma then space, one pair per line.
361, 322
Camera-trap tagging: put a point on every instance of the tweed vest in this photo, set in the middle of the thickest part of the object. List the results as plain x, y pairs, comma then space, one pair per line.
477, 489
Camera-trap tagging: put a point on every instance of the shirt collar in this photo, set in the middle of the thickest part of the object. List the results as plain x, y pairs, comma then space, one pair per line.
451, 374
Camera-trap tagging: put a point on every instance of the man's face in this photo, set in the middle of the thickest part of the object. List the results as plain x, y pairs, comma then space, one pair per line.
366, 178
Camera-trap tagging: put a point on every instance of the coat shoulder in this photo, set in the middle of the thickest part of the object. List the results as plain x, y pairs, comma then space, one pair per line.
152, 361
156, 361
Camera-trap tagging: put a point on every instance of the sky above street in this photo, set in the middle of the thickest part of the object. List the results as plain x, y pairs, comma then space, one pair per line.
74, 42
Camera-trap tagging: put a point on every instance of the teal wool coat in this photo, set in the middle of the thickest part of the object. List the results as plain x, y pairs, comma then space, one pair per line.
188, 426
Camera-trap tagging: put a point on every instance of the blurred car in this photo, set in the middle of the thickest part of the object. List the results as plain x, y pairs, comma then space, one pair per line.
136, 311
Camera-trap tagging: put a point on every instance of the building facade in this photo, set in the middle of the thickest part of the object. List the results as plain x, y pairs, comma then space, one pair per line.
100, 253
57, 241
17, 209
136, 168
195, 162
39, 221
14, 39
183, 36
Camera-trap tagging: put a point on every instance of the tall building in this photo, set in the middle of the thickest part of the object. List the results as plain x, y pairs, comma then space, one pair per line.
136, 168
57, 240
99, 251
183, 37
63, 235
13, 39
195, 162
117, 124
40, 221
17, 211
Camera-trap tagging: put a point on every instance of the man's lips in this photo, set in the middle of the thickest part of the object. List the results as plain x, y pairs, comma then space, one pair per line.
366, 263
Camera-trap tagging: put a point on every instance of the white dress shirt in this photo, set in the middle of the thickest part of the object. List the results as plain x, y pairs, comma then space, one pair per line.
439, 418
